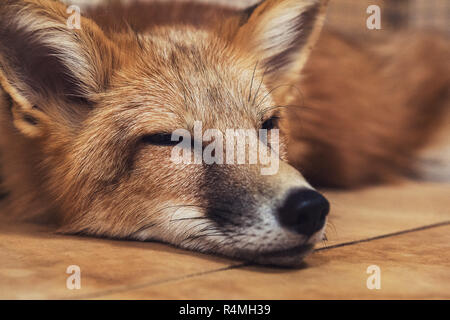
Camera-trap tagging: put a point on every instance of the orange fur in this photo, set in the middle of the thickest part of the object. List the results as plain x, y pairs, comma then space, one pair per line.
365, 112
353, 121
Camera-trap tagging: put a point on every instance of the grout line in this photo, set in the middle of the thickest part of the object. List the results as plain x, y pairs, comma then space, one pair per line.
387, 235
238, 266
153, 283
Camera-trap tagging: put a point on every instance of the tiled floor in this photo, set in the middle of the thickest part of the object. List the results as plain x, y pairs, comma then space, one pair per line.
404, 230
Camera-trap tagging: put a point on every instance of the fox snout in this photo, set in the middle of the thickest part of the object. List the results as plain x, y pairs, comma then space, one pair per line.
304, 211
284, 234
272, 220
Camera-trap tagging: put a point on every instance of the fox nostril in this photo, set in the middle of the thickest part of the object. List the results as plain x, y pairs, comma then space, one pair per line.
304, 211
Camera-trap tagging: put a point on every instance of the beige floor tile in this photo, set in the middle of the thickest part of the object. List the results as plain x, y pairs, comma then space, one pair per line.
381, 210
414, 265
33, 260
33, 264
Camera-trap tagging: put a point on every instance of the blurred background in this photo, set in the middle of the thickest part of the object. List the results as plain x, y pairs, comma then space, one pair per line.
349, 16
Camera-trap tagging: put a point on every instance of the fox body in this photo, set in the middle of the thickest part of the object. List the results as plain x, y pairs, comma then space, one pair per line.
85, 116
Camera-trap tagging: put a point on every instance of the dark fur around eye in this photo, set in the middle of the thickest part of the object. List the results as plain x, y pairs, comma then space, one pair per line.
271, 123
160, 139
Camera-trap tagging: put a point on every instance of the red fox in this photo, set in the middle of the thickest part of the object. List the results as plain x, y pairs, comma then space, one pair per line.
87, 116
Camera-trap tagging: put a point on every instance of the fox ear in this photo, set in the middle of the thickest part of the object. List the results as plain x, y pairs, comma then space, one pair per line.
281, 33
42, 60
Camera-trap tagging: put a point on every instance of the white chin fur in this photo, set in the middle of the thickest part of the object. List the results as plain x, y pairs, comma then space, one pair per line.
188, 228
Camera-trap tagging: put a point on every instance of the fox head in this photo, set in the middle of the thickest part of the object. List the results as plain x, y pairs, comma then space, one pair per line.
90, 116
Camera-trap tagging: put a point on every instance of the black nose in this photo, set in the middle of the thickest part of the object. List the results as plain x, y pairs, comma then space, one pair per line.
304, 211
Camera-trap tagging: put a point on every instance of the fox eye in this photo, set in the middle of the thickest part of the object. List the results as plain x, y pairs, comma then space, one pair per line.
159, 139
271, 123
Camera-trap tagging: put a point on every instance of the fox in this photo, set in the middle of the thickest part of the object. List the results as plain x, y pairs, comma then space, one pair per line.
87, 115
